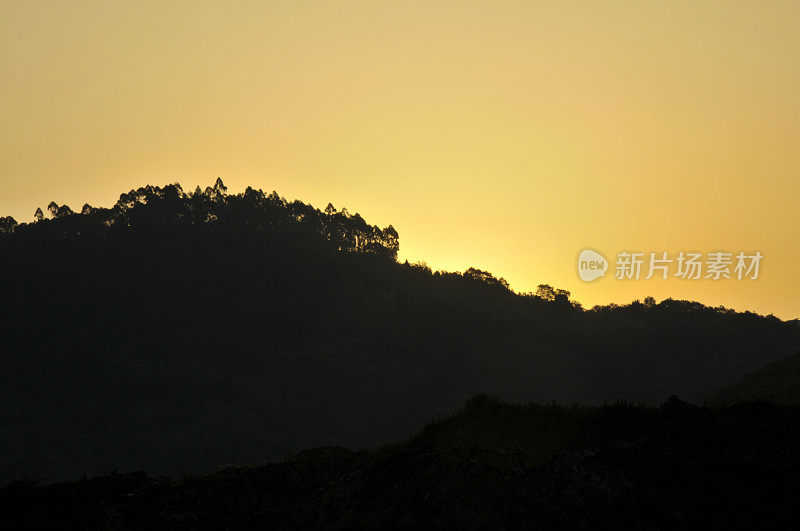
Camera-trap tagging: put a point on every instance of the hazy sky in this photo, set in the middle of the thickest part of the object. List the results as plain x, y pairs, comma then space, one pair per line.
502, 135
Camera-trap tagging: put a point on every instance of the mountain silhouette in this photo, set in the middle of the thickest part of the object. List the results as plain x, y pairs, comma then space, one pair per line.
180, 332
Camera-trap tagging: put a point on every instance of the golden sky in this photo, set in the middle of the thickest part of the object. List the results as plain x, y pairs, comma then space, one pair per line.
504, 135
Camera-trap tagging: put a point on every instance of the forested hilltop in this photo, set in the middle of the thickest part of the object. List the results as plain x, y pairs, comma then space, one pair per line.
152, 208
179, 332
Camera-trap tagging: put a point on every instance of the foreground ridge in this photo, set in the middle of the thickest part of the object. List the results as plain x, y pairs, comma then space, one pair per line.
492, 464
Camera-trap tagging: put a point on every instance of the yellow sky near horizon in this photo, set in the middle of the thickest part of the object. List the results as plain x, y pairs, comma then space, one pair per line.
502, 135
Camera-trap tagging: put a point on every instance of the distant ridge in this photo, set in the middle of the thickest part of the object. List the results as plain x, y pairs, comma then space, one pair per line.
778, 381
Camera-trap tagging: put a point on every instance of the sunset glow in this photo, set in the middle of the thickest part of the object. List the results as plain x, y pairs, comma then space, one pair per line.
507, 136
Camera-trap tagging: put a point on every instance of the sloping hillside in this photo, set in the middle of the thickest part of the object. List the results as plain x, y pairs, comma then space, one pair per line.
176, 333
778, 381
492, 465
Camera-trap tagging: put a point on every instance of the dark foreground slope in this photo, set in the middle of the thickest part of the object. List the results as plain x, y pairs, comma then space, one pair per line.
777, 381
493, 465
176, 333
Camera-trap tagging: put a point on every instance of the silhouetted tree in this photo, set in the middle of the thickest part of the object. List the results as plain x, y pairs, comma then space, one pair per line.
486, 278
546, 292
561, 296
8, 224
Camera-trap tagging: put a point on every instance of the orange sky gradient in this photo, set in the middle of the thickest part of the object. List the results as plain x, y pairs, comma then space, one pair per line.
502, 135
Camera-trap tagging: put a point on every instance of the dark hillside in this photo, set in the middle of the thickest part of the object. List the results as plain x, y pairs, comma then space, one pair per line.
493, 465
179, 332
777, 381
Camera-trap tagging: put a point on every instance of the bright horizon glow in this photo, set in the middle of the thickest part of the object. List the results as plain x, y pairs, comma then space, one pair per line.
506, 136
